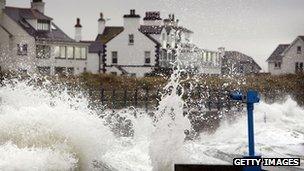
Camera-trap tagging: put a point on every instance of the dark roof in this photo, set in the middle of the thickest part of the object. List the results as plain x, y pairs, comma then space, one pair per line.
108, 34
301, 37
277, 53
151, 38
95, 46
158, 29
151, 29
240, 57
19, 15
26, 13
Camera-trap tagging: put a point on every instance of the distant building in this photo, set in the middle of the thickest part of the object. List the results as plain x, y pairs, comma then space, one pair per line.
287, 58
200, 61
31, 42
169, 34
237, 63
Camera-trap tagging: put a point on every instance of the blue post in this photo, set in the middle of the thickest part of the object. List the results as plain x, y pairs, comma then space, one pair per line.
250, 98
250, 129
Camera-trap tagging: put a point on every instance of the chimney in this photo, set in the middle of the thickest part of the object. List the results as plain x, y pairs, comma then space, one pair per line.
78, 31
101, 24
132, 20
38, 5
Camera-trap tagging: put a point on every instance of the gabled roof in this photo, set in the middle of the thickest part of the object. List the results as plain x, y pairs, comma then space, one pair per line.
301, 38
20, 15
240, 57
108, 34
277, 53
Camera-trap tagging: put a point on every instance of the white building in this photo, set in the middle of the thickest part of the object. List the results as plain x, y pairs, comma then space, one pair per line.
128, 51
287, 58
30, 42
169, 34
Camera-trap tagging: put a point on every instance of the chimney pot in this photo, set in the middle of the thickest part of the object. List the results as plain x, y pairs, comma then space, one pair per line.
78, 23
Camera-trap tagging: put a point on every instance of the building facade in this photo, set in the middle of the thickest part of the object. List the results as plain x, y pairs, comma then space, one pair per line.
287, 58
31, 42
127, 50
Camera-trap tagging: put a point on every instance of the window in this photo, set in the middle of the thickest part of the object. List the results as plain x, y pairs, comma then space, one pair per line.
114, 57
43, 25
43, 51
57, 51
60, 70
70, 71
44, 70
83, 53
22, 49
147, 57
299, 67
114, 73
277, 65
70, 52
77, 53
133, 75
299, 50
62, 52
131, 39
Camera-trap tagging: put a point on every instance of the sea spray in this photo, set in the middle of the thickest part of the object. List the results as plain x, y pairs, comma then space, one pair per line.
32, 118
166, 147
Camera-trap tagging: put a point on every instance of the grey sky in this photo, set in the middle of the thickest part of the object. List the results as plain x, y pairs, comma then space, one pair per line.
254, 27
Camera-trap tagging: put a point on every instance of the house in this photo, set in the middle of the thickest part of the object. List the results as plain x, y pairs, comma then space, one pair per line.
127, 50
287, 58
169, 34
237, 63
31, 42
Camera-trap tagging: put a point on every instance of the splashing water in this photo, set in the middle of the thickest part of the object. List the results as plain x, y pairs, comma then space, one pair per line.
31, 121
43, 131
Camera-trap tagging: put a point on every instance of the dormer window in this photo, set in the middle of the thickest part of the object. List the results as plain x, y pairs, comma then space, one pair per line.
43, 25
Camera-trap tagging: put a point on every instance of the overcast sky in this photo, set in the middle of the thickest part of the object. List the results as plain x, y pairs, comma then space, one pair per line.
254, 27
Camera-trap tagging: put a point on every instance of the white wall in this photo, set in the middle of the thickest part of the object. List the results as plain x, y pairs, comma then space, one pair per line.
273, 70
93, 63
14, 61
131, 54
291, 57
